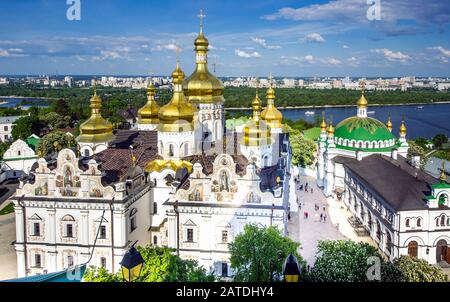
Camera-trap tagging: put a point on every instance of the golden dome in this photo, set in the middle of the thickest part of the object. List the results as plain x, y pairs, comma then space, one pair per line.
403, 127
271, 114
177, 115
149, 113
96, 128
389, 123
202, 86
362, 102
323, 124
330, 129
256, 132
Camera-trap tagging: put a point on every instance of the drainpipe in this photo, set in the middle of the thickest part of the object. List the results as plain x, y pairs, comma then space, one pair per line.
24, 217
111, 207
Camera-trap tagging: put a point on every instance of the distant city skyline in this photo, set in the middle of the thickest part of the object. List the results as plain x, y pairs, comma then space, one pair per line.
252, 38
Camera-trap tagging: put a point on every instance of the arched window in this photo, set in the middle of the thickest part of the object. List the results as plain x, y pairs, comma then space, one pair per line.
155, 208
442, 220
407, 223
388, 242
419, 222
86, 153
171, 150
155, 240
161, 147
378, 232
412, 249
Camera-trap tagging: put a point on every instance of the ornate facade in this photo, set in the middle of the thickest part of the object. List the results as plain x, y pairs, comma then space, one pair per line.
178, 180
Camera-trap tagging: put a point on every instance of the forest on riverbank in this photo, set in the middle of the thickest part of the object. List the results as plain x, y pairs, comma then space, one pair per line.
236, 97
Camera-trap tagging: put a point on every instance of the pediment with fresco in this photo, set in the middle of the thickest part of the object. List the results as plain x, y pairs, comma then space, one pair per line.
67, 180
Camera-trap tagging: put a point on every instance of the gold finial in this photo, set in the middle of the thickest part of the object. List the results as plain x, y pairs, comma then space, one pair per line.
330, 127
402, 126
56, 146
95, 86
177, 53
389, 122
323, 124
362, 84
270, 80
443, 178
201, 16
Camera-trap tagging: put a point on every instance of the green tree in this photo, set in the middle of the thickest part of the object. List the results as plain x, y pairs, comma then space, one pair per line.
410, 269
303, 149
258, 254
61, 107
161, 265
422, 142
416, 150
439, 140
342, 261
46, 144
3, 148
56, 121
25, 126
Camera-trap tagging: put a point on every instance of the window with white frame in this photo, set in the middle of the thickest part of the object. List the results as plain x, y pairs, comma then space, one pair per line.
37, 260
70, 261
103, 262
190, 235
225, 236
102, 234
133, 220
36, 229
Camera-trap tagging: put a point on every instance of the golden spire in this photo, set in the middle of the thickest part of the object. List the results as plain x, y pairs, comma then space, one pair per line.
202, 87
96, 129
442, 177
256, 104
149, 113
330, 129
271, 114
323, 124
389, 123
178, 113
403, 127
362, 102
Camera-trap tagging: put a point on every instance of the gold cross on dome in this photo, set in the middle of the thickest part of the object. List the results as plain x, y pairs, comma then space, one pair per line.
362, 84
270, 79
201, 15
177, 52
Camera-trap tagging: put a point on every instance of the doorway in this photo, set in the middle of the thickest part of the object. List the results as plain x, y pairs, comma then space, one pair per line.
442, 251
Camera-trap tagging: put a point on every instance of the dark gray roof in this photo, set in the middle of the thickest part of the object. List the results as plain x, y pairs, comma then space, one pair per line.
395, 181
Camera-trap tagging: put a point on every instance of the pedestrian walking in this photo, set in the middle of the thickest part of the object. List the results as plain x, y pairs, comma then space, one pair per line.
321, 216
307, 215
324, 217
304, 215
311, 190
324, 208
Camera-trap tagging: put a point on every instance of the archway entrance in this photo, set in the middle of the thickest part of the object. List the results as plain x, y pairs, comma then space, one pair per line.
442, 251
412, 249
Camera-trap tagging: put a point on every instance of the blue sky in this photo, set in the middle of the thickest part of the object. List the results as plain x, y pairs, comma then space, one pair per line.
248, 38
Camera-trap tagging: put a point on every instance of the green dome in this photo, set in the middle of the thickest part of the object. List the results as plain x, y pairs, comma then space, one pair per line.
366, 130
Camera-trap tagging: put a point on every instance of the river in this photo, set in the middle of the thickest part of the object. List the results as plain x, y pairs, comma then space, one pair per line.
421, 120
13, 102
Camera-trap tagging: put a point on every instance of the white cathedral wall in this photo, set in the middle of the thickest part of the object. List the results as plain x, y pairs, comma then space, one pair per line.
177, 140
209, 223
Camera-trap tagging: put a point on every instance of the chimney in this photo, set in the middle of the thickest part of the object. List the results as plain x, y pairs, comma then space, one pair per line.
359, 155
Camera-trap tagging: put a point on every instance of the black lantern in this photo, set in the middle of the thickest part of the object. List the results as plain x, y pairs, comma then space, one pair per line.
291, 269
132, 264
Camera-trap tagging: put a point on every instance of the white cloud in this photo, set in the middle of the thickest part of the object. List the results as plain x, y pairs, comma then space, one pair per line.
313, 37
262, 42
392, 55
169, 46
245, 54
309, 59
345, 46
441, 50
4, 53
333, 61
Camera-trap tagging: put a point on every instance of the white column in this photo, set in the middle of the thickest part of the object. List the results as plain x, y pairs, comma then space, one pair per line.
20, 252
20, 224
51, 230
172, 232
120, 228
84, 228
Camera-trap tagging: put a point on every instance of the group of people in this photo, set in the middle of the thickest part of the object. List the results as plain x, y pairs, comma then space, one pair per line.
307, 188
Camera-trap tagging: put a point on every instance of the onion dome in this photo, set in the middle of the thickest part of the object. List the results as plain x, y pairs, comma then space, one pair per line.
177, 115
403, 127
362, 102
96, 129
389, 123
202, 87
323, 124
271, 114
330, 129
256, 131
362, 132
149, 113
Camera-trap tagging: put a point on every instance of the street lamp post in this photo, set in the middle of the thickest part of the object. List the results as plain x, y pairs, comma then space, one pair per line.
131, 265
291, 269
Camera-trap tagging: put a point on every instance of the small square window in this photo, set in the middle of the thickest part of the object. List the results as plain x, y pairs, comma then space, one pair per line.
103, 262
37, 260
190, 235
224, 236
102, 234
36, 229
